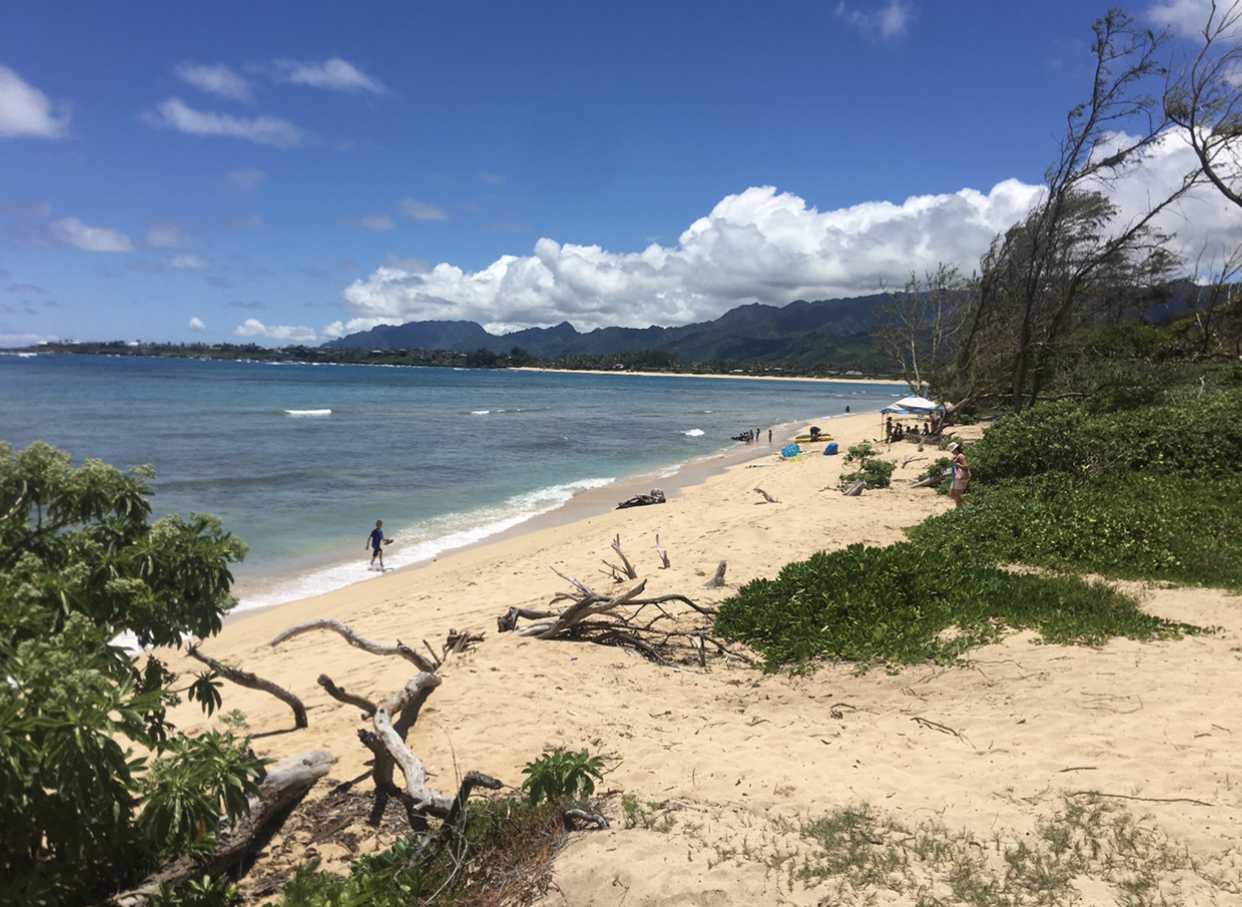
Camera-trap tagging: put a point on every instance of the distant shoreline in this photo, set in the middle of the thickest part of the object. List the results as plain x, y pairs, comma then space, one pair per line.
585, 371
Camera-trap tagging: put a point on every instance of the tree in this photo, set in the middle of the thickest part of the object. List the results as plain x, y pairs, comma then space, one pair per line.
1068, 261
80, 563
1205, 100
917, 324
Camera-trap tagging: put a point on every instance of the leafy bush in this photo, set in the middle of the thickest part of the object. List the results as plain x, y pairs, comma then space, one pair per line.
1175, 529
874, 473
561, 775
79, 564
894, 605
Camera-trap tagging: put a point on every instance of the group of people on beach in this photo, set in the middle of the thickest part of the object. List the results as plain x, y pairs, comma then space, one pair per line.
752, 436
898, 432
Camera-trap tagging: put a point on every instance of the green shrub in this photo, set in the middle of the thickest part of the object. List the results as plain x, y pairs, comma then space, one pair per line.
562, 776
894, 605
874, 473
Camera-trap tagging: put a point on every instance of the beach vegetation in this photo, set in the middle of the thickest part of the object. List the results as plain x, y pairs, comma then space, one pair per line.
908, 603
81, 563
865, 465
562, 775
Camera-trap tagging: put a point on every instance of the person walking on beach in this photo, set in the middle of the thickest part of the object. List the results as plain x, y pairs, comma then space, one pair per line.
961, 474
376, 543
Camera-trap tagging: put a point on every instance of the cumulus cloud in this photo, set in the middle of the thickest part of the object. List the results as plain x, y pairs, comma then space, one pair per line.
243, 222
176, 114
215, 78
189, 263
196, 324
759, 245
253, 327
892, 20
26, 111
92, 239
334, 74
247, 179
374, 222
412, 207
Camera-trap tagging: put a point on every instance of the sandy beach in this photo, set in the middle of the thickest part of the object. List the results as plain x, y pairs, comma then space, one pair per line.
727, 762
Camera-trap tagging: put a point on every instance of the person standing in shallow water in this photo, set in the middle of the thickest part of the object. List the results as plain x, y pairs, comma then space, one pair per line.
961, 474
376, 542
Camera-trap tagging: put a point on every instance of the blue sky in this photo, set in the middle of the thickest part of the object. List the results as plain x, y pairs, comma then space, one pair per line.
288, 172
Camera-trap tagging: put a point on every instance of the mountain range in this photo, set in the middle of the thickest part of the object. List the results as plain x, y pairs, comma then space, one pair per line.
823, 331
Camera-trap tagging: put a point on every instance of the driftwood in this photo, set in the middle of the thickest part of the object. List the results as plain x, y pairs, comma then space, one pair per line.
618, 621
339, 694
640, 500
768, 499
284, 786
570, 816
628, 570
509, 619
426, 801
931, 481
663, 554
326, 623
254, 682
717, 581
854, 490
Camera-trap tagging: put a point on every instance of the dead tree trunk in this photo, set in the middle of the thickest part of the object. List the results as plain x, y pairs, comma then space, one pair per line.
246, 679
284, 785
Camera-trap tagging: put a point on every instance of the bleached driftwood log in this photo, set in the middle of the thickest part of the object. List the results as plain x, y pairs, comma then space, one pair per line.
717, 581
854, 490
254, 682
358, 642
284, 785
767, 497
509, 619
411, 697
663, 554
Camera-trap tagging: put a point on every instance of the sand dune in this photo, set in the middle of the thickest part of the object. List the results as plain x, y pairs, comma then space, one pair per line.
725, 764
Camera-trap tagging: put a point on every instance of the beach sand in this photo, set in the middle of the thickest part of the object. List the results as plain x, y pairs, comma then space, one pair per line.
726, 763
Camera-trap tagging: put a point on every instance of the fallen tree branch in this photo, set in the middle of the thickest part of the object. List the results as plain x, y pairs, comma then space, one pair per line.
339, 694
630, 572
508, 621
767, 497
327, 623
412, 695
569, 816
284, 786
254, 682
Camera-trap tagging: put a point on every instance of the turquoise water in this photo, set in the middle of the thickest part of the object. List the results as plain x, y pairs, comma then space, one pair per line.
300, 460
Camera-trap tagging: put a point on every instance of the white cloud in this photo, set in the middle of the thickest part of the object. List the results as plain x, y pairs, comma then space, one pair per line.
176, 114
375, 222
334, 74
412, 207
252, 327
247, 179
1186, 17
241, 222
26, 111
189, 263
170, 235
196, 324
758, 245
215, 79
890, 21
93, 239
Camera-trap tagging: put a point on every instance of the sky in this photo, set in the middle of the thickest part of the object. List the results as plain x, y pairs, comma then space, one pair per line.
283, 172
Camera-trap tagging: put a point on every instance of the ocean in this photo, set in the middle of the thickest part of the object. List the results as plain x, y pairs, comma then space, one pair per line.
301, 460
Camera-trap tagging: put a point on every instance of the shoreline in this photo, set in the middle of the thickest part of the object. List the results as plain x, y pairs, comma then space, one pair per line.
588, 504
851, 379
